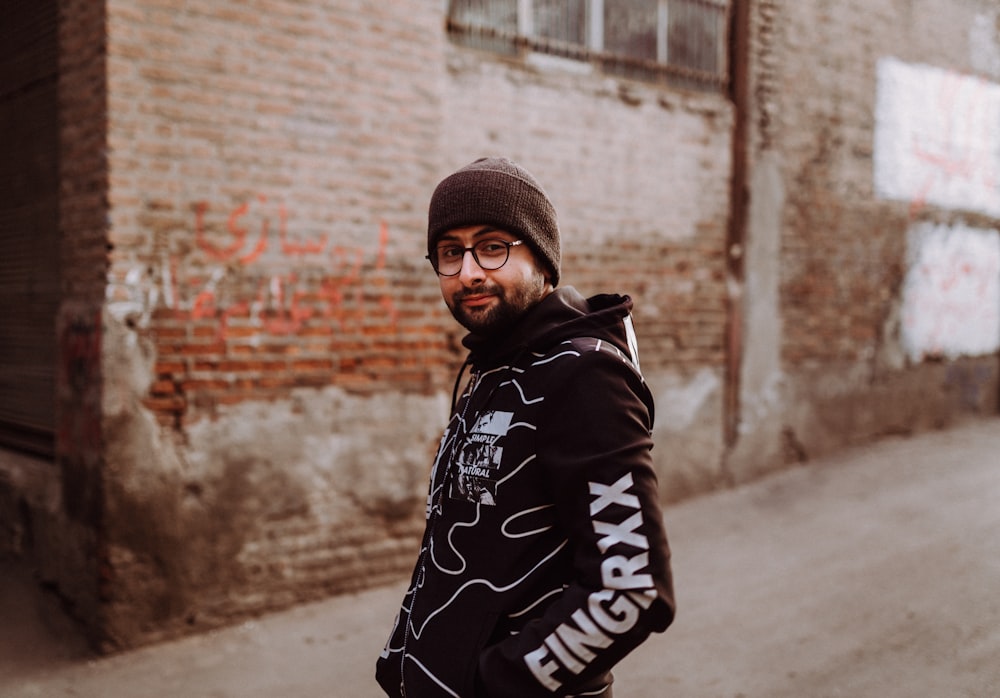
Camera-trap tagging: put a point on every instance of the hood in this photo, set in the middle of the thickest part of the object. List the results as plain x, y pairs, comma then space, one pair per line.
563, 314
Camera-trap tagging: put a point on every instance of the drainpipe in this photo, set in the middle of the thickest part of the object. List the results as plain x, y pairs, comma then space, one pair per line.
739, 93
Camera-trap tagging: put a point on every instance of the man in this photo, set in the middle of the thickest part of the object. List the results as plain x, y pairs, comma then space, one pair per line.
544, 560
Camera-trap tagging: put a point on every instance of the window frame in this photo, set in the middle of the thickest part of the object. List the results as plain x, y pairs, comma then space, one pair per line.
524, 38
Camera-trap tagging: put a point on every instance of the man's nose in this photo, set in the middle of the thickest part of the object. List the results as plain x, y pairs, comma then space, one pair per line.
471, 271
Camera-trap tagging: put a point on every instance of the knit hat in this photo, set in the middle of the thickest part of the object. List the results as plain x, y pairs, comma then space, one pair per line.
497, 192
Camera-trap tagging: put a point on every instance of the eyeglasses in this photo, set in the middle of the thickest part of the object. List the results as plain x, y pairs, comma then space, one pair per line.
489, 255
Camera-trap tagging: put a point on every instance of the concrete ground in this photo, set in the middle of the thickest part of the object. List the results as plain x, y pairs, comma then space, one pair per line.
872, 573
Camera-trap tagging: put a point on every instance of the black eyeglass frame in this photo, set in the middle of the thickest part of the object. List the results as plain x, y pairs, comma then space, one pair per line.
432, 258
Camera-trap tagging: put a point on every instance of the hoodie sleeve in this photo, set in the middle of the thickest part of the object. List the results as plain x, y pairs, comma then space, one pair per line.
595, 448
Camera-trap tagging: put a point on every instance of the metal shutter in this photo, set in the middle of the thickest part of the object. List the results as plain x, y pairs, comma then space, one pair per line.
29, 223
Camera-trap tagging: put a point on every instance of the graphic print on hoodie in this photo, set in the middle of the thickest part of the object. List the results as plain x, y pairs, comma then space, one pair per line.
544, 559
477, 462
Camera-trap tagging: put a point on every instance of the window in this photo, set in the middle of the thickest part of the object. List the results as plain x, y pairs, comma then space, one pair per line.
682, 42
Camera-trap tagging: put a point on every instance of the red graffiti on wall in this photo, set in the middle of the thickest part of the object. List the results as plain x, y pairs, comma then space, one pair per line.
239, 235
328, 283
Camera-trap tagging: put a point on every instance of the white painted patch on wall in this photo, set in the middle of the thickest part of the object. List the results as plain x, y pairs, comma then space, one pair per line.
951, 295
678, 405
937, 138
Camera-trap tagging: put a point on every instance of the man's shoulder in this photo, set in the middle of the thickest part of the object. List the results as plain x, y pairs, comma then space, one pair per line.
581, 346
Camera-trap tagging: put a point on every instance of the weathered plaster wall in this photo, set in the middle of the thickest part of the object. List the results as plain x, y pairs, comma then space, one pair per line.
274, 350
874, 158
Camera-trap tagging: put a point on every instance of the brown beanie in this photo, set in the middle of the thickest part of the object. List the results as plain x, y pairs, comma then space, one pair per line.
497, 192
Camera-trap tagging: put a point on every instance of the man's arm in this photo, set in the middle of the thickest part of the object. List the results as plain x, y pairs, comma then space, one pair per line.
594, 447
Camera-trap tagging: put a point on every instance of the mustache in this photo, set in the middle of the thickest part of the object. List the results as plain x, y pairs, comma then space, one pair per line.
477, 291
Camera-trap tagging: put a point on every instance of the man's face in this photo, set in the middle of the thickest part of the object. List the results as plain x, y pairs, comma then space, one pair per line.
488, 302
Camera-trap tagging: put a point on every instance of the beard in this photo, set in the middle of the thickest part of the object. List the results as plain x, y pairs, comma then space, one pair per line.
509, 305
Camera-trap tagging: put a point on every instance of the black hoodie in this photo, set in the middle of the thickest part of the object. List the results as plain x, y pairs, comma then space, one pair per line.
544, 560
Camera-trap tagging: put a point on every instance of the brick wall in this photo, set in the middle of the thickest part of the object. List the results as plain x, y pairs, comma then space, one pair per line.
640, 177
244, 207
279, 359
266, 164
846, 249
268, 167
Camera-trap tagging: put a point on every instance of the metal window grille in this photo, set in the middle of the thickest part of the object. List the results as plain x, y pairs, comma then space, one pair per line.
682, 42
